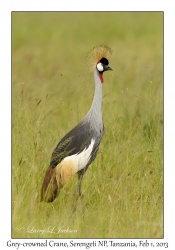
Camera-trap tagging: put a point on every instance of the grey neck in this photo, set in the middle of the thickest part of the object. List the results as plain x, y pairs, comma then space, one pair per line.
94, 116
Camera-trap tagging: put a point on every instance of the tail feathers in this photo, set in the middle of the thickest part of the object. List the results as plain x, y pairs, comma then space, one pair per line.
50, 189
55, 179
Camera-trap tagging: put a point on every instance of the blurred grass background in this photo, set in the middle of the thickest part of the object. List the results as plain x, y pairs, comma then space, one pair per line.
52, 91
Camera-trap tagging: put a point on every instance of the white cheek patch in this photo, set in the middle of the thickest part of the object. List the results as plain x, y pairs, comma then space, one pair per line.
100, 67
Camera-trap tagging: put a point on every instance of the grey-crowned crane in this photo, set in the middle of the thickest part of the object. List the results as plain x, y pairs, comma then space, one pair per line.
78, 148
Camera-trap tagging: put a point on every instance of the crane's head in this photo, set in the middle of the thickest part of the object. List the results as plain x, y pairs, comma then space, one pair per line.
98, 59
102, 66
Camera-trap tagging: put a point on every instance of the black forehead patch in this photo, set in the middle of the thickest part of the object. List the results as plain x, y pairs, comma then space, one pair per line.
104, 61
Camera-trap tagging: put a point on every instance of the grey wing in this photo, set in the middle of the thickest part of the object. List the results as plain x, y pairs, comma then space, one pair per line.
72, 143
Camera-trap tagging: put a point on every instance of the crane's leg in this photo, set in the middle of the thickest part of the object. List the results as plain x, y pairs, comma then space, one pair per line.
78, 190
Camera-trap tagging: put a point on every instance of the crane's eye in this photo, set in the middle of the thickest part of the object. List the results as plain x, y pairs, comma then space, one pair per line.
100, 67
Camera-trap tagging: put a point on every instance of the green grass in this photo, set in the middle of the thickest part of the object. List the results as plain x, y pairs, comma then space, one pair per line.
51, 93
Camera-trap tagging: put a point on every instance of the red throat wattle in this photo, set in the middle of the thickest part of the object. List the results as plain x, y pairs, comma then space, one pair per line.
101, 78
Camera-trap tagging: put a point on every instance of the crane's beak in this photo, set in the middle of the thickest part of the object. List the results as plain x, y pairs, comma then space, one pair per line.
109, 68
106, 67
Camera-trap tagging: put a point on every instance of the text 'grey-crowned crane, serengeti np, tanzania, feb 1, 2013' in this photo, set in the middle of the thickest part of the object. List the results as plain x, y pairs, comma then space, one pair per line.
78, 148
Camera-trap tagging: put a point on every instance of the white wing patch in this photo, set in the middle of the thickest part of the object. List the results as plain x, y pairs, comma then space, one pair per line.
80, 160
